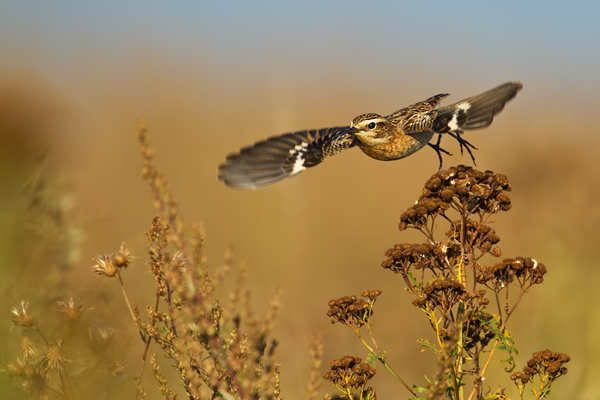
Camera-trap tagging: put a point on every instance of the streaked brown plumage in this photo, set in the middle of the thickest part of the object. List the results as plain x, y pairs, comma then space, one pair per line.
392, 137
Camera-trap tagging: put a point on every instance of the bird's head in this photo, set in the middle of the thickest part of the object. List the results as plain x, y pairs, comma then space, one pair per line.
371, 129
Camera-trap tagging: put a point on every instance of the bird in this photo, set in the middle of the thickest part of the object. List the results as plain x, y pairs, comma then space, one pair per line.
385, 138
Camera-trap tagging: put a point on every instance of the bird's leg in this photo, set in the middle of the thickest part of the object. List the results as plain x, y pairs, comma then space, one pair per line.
438, 149
463, 143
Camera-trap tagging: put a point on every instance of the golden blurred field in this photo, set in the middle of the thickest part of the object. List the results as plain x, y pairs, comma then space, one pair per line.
322, 234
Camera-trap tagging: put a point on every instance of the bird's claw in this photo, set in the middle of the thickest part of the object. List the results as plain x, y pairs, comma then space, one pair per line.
463, 144
438, 149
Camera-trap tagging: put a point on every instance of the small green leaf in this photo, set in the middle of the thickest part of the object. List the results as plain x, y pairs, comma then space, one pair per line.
414, 280
419, 389
425, 345
450, 393
372, 360
544, 393
505, 341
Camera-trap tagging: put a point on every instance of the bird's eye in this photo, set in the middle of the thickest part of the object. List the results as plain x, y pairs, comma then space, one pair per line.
372, 125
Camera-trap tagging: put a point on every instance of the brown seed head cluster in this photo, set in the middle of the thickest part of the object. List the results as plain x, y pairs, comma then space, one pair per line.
525, 270
417, 214
371, 294
442, 293
405, 256
480, 235
349, 311
543, 363
349, 372
447, 276
480, 192
477, 332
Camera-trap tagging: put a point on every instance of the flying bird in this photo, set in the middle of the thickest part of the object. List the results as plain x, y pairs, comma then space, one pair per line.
384, 138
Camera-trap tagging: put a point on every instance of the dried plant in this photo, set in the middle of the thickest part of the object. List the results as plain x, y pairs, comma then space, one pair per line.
59, 353
55, 367
219, 349
217, 346
452, 285
316, 356
546, 366
350, 377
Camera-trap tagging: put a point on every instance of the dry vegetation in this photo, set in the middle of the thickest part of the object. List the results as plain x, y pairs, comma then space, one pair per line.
199, 337
452, 284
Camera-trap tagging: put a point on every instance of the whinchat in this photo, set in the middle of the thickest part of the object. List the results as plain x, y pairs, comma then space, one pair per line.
392, 137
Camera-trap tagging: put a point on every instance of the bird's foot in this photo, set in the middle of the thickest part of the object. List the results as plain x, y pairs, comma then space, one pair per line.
439, 150
463, 144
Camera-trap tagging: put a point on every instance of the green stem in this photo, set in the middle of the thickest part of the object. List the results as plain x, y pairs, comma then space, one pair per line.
396, 376
382, 360
460, 345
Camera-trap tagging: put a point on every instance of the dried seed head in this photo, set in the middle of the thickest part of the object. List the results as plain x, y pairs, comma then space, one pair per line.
71, 308
447, 194
350, 311
29, 351
496, 252
442, 293
371, 294
349, 372
480, 191
545, 362
105, 266
502, 181
53, 359
123, 258
109, 264
20, 316
520, 377
15, 368
100, 337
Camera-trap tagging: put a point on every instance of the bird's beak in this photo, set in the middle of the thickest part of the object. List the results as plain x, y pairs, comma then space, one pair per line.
352, 130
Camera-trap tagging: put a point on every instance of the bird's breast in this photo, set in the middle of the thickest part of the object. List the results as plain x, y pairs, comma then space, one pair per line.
401, 146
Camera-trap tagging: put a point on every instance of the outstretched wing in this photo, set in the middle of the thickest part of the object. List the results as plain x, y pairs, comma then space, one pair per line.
282, 156
475, 112
417, 117
417, 108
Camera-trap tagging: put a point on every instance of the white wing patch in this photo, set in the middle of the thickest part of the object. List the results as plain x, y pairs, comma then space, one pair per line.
464, 106
453, 124
299, 151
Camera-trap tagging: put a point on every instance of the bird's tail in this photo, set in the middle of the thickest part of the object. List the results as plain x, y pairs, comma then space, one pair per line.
477, 111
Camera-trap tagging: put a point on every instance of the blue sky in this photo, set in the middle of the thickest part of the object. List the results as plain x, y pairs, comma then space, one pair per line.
364, 39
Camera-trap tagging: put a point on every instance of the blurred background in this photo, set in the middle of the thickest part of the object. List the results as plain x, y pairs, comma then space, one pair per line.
211, 77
